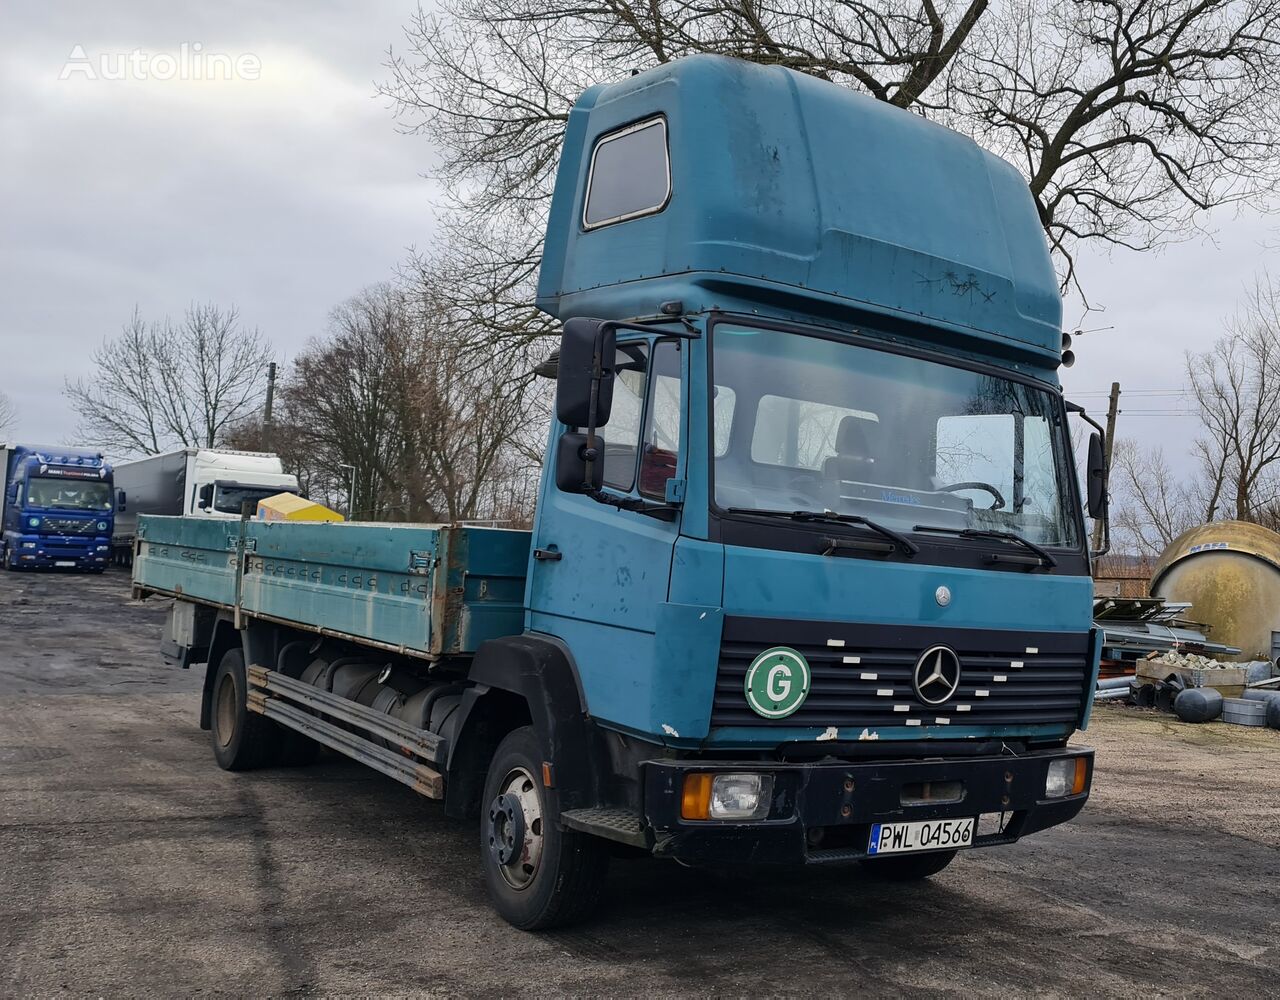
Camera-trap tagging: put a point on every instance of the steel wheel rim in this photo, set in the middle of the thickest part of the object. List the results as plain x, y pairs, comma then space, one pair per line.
225, 716
520, 789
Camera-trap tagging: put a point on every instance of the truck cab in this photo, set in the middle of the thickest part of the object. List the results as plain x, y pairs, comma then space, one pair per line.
57, 506
192, 482
811, 496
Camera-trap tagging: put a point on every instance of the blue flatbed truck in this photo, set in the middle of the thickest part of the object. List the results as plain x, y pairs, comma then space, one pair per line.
56, 508
808, 581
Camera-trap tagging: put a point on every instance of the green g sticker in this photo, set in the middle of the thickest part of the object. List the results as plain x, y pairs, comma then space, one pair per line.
777, 682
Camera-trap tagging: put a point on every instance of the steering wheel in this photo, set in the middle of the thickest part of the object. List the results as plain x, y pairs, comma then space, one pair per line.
986, 487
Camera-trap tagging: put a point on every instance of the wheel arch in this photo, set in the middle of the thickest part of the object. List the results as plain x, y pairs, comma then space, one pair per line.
258, 641
524, 680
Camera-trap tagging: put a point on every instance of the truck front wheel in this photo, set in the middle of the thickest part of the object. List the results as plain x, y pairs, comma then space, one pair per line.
539, 876
241, 739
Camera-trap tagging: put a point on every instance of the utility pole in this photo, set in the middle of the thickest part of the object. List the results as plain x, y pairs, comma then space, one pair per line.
271, 396
1113, 409
351, 489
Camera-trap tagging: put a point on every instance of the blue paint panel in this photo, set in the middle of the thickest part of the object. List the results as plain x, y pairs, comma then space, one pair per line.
428, 589
798, 197
190, 556
765, 583
615, 667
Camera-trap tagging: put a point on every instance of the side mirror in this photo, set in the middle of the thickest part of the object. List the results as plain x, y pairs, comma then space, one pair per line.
206, 496
584, 377
120, 500
1096, 478
571, 463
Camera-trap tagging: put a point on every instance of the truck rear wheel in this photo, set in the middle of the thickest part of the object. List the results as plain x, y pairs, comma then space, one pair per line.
242, 740
909, 867
538, 875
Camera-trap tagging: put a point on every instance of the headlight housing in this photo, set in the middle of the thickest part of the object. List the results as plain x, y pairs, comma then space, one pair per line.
1065, 777
731, 796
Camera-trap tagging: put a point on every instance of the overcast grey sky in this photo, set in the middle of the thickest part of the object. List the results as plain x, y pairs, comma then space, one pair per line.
283, 194
286, 193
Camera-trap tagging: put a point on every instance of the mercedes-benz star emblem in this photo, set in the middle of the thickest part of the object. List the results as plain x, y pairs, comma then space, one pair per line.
937, 675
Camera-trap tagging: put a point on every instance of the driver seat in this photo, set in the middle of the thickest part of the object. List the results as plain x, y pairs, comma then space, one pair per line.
853, 461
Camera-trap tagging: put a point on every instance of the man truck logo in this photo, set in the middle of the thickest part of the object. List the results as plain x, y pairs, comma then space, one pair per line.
777, 682
937, 675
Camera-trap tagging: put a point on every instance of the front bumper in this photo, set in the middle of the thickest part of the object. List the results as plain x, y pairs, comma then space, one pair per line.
822, 812
55, 551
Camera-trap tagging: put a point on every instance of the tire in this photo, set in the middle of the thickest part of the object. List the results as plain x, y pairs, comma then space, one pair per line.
4, 558
909, 867
538, 875
242, 740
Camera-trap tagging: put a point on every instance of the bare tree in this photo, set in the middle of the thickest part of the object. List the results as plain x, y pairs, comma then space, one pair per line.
432, 429
1237, 388
468, 418
8, 415
160, 384
492, 84
1151, 504
1129, 118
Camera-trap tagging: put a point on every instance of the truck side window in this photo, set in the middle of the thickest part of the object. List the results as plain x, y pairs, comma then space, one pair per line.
660, 449
622, 433
630, 174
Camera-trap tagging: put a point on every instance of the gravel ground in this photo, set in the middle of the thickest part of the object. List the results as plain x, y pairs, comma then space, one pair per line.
132, 865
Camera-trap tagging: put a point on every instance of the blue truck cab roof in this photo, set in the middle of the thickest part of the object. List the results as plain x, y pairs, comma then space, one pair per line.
728, 185
60, 455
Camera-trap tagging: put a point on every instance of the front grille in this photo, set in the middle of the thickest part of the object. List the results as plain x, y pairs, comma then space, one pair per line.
68, 526
1027, 677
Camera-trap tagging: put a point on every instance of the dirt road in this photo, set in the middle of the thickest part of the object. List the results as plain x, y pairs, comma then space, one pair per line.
133, 865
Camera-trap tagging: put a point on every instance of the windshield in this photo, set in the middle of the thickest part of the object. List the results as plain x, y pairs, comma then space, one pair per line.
74, 494
227, 499
806, 423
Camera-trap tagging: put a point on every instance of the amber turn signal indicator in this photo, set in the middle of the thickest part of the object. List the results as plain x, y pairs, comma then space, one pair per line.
1082, 772
695, 802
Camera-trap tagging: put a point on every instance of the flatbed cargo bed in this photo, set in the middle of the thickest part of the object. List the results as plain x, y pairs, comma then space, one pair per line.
424, 590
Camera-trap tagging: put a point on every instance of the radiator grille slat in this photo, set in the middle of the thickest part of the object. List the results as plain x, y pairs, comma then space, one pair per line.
1043, 674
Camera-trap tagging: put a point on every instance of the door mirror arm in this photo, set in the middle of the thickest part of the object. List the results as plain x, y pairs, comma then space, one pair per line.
1097, 479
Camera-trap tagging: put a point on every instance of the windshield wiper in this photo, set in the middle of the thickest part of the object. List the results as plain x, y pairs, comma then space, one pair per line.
1043, 558
831, 517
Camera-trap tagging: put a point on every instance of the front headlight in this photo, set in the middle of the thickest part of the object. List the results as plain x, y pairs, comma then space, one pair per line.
1065, 777
741, 796
34, 522
726, 796
102, 525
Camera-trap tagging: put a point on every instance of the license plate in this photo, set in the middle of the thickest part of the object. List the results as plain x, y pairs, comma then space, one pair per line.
65, 562
928, 835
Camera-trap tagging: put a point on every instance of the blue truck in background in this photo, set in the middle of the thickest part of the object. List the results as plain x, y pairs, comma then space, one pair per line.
808, 581
56, 508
